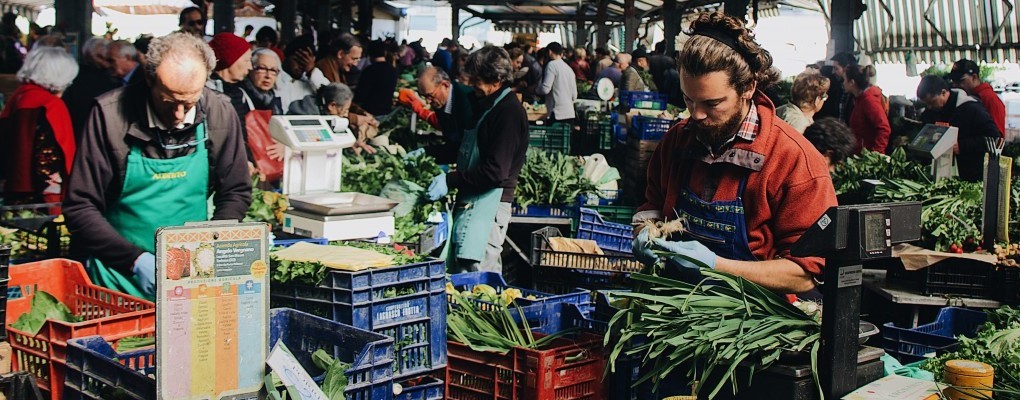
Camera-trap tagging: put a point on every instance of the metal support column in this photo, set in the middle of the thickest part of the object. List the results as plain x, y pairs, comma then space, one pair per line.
346, 11
581, 32
601, 16
75, 17
324, 16
286, 14
223, 16
365, 17
455, 22
670, 25
630, 25
841, 22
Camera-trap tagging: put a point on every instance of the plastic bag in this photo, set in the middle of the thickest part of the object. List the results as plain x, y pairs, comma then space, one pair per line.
406, 193
259, 139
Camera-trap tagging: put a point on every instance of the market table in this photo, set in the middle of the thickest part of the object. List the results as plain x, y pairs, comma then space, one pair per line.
874, 282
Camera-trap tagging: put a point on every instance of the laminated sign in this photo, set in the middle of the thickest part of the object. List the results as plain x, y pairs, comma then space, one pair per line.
212, 311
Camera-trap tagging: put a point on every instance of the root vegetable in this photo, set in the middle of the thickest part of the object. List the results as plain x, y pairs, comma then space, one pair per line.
659, 229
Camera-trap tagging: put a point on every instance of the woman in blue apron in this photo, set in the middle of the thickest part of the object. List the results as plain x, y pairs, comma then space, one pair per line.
481, 215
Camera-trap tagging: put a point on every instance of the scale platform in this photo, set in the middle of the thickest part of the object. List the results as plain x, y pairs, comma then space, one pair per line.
343, 203
339, 227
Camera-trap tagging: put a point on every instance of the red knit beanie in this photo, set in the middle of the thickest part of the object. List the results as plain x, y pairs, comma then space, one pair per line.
228, 47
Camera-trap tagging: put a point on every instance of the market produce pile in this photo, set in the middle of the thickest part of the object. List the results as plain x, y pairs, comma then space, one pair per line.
313, 272
334, 381
997, 344
498, 325
266, 206
397, 178
550, 178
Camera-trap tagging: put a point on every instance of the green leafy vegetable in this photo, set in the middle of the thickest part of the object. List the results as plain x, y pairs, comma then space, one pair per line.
44, 307
335, 381
950, 208
549, 178
873, 165
135, 342
997, 343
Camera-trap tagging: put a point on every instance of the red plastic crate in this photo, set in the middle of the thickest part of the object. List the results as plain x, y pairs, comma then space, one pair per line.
110, 314
568, 369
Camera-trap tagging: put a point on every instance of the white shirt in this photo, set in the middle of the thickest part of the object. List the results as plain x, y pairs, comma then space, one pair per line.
154, 122
290, 90
559, 85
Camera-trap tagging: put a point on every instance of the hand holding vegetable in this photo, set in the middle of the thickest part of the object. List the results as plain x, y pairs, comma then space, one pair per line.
438, 189
689, 254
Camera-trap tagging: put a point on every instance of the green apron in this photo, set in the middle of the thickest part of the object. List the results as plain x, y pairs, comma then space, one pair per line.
474, 214
156, 193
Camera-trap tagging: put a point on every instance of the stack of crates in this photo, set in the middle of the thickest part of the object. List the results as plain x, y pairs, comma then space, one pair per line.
406, 303
553, 137
598, 130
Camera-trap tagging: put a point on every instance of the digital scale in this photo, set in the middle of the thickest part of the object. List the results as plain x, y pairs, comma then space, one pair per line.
312, 167
934, 144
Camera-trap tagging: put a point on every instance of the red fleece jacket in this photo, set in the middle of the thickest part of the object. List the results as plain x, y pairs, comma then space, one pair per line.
870, 120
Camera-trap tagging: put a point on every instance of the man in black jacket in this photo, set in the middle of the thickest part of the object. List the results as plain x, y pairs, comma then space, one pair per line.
150, 156
93, 79
978, 133
453, 111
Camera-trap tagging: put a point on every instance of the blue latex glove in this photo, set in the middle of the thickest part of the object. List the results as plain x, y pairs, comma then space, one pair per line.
414, 154
145, 273
642, 248
438, 189
690, 254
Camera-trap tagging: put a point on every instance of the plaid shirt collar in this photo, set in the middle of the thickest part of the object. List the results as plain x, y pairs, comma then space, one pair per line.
748, 130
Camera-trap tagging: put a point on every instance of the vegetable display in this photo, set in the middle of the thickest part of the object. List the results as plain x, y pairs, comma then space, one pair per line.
44, 307
333, 384
312, 273
997, 343
714, 326
369, 173
873, 165
950, 210
492, 330
266, 206
549, 178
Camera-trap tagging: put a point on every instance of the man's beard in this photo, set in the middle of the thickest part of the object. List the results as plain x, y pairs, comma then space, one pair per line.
716, 135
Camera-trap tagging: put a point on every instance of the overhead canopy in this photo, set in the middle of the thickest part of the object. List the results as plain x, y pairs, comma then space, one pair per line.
939, 31
552, 10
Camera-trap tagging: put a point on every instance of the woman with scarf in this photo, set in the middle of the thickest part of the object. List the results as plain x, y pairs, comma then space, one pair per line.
36, 129
262, 104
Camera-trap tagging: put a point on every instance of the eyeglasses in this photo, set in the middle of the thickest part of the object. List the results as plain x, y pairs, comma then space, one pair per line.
266, 70
432, 94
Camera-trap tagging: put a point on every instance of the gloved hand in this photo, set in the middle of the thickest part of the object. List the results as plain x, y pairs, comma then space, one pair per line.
145, 273
689, 254
438, 189
407, 97
414, 154
642, 248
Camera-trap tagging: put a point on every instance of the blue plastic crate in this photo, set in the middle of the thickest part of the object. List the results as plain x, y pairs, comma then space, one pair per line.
407, 303
648, 128
92, 370
915, 344
534, 311
604, 197
609, 235
284, 243
644, 100
542, 211
429, 388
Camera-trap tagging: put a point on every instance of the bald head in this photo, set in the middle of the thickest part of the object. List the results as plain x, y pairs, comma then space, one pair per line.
179, 64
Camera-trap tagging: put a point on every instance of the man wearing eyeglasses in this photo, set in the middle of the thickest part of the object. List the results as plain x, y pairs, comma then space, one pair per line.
452, 110
151, 155
192, 21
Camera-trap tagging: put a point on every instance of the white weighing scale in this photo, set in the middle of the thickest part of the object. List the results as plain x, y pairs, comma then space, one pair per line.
934, 144
311, 180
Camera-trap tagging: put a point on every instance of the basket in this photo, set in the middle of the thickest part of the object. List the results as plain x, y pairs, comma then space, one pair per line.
93, 370
953, 276
567, 369
541, 211
554, 137
618, 214
42, 235
643, 100
648, 128
110, 314
609, 235
537, 312
556, 272
406, 303
19, 386
915, 344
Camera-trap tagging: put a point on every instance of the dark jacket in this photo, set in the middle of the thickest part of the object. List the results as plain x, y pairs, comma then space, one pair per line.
502, 147
237, 100
119, 120
659, 66
80, 96
835, 93
975, 125
377, 98
465, 102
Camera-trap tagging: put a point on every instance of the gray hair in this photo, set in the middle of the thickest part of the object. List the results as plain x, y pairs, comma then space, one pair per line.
624, 58
174, 47
124, 49
262, 51
94, 47
49, 67
490, 64
439, 76
335, 92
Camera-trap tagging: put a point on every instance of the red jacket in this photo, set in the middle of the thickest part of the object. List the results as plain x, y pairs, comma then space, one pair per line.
870, 120
993, 104
788, 189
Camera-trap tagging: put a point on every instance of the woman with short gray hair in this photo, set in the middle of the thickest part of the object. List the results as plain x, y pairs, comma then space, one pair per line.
36, 130
332, 99
491, 157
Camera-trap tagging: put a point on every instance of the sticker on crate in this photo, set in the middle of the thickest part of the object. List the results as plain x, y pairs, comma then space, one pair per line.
212, 302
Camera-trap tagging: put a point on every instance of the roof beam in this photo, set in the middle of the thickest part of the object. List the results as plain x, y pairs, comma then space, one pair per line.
512, 17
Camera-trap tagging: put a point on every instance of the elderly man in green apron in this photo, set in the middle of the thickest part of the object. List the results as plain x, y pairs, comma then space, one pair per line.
151, 155
488, 164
